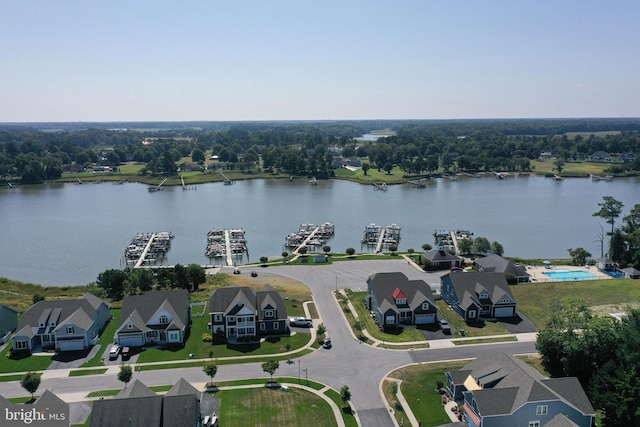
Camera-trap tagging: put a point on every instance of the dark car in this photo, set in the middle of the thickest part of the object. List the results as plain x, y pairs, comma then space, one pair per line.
126, 353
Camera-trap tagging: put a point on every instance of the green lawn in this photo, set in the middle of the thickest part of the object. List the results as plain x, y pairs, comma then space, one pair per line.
25, 364
419, 389
265, 407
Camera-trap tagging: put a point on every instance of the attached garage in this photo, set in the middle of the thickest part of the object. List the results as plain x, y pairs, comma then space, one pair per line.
131, 340
70, 345
425, 319
504, 312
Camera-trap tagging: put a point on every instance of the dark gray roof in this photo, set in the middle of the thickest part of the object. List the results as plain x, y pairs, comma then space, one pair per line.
570, 389
497, 264
80, 310
134, 412
135, 389
226, 300
181, 406
510, 383
438, 255
560, 420
495, 283
180, 411
385, 284
139, 309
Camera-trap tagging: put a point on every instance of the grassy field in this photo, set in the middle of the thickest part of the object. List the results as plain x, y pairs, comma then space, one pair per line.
578, 169
264, 407
604, 296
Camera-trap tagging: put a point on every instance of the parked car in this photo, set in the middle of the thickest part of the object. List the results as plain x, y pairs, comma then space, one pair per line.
114, 352
326, 343
236, 270
444, 326
126, 353
254, 274
300, 321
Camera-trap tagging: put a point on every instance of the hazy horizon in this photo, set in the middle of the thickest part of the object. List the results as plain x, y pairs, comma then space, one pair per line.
155, 61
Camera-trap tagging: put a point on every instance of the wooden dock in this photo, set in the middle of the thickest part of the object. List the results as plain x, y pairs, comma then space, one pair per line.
306, 241
143, 256
224, 243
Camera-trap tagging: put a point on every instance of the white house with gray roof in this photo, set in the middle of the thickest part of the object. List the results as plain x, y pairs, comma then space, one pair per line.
154, 318
62, 325
241, 312
499, 390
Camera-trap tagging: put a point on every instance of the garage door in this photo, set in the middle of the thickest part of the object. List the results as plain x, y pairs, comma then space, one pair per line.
504, 312
70, 345
423, 319
130, 341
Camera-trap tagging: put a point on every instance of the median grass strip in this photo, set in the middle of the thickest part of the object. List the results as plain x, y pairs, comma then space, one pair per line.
485, 340
113, 392
83, 372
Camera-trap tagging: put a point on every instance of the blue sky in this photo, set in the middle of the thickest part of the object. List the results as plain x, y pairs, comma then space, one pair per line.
318, 60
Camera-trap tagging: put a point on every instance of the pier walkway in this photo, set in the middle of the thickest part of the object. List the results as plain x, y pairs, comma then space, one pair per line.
454, 239
227, 245
306, 241
143, 256
380, 240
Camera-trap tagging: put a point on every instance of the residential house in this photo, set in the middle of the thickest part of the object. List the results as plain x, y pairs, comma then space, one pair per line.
154, 318
600, 156
497, 264
240, 311
63, 325
606, 264
630, 273
497, 389
440, 259
394, 299
477, 295
8, 322
138, 406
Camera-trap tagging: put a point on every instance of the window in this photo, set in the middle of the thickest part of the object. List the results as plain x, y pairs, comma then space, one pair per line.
542, 409
231, 319
268, 313
20, 345
534, 423
276, 325
69, 329
164, 320
217, 317
129, 325
504, 301
425, 306
263, 327
471, 314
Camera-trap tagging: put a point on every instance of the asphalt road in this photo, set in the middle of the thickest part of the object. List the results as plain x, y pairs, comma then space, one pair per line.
349, 362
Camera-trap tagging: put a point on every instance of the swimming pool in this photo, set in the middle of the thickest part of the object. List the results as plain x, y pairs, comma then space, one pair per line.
570, 275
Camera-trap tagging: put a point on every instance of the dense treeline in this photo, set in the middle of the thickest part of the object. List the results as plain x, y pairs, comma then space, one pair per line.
602, 352
34, 155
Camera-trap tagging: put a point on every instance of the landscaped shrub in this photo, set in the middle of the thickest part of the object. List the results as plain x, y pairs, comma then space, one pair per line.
207, 337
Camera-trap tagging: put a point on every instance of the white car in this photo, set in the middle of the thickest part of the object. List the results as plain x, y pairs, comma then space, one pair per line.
114, 352
300, 321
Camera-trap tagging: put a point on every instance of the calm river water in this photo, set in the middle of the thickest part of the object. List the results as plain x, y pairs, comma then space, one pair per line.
65, 234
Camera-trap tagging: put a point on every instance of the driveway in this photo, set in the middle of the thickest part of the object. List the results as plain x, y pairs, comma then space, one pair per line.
72, 359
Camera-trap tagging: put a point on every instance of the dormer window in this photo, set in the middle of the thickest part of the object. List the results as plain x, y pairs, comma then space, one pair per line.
70, 329
269, 313
129, 326
42, 324
164, 320
52, 324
